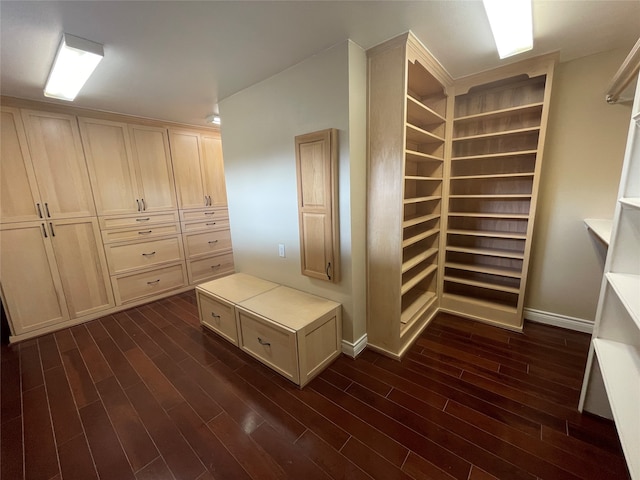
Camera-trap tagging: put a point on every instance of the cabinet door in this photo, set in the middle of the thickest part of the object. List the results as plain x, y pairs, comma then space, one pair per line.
59, 164
185, 152
31, 286
19, 197
213, 170
150, 147
316, 165
113, 177
82, 265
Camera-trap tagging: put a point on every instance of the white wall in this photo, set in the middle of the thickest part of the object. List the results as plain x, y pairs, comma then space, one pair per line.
258, 129
580, 175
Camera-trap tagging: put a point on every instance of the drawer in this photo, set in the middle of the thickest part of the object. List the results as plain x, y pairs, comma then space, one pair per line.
206, 243
210, 267
272, 344
205, 214
210, 224
128, 288
123, 234
129, 256
134, 221
218, 316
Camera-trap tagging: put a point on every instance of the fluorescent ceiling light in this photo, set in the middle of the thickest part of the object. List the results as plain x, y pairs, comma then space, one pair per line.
214, 118
75, 61
512, 25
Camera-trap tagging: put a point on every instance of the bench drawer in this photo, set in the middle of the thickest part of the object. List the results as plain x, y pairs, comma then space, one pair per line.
218, 316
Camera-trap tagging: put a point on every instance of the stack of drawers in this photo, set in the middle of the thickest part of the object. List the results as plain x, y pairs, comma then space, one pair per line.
144, 254
207, 243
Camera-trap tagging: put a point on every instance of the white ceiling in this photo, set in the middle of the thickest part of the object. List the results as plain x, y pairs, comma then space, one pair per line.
175, 60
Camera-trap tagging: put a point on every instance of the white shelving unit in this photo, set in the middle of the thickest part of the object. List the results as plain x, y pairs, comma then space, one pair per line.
601, 228
611, 386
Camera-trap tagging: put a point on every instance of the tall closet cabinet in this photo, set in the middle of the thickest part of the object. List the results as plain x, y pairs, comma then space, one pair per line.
454, 167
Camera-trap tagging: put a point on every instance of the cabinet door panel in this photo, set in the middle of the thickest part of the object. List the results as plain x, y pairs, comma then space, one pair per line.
82, 265
150, 147
213, 170
59, 164
185, 152
18, 189
113, 178
31, 286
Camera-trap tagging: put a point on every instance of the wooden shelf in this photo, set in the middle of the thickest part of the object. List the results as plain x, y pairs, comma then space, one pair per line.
505, 112
421, 236
627, 287
498, 134
620, 367
418, 278
502, 272
492, 175
521, 216
490, 234
420, 136
499, 196
601, 228
410, 222
414, 156
419, 113
488, 252
420, 179
481, 302
412, 262
431, 198
496, 155
487, 285
416, 300
633, 203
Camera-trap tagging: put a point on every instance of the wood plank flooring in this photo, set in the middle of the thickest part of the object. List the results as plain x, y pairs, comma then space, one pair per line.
147, 394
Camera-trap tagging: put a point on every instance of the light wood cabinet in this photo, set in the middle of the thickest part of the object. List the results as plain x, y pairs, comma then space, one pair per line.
129, 166
62, 263
198, 169
41, 156
317, 179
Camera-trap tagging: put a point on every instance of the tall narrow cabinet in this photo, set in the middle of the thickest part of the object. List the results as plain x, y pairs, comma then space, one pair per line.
611, 386
408, 100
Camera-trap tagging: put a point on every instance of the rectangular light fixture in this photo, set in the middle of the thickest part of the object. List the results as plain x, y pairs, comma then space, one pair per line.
213, 118
512, 25
75, 61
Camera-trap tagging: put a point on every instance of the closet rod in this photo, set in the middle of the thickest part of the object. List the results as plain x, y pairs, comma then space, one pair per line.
624, 75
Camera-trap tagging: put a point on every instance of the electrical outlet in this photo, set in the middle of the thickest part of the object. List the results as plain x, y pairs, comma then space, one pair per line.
281, 250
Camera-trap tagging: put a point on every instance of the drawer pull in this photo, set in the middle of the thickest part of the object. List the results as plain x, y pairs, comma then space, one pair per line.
262, 342
217, 317
46, 207
155, 282
143, 219
145, 233
148, 254
39, 210
213, 241
211, 223
216, 266
209, 213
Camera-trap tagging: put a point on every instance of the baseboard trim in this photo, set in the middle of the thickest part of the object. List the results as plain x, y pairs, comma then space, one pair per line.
556, 320
354, 349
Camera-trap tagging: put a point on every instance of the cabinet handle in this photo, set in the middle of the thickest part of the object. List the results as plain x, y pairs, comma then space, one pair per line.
145, 233
39, 210
209, 213
216, 266
53, 233
138, 202
46, 207
217, 317
327, 270
262, 342
143, 219
210, 202
211, 223
148, 254
212, 241
206, 201
155, 282
144, 205
44, 230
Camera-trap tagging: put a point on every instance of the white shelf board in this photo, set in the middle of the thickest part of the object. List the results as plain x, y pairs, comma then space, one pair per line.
630, 202
627, 287
600, 227
620, 366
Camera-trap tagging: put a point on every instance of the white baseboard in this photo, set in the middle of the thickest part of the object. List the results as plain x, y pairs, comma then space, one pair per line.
556, 320
354, 349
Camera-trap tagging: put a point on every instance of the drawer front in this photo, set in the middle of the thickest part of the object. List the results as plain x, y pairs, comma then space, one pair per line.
270, 343
135, 221
128, 288
211, 224
123, 234
219, 317
206, 243
210, 267
130, 256
205, 214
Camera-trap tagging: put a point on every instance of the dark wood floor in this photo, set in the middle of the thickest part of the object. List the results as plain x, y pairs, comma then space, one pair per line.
147, 394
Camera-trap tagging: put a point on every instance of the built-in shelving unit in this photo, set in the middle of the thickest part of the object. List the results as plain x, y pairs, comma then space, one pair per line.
600, 227
611, 386
498, 132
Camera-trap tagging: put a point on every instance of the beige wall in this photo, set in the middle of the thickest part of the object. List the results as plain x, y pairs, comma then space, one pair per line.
258, 129
582, 163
